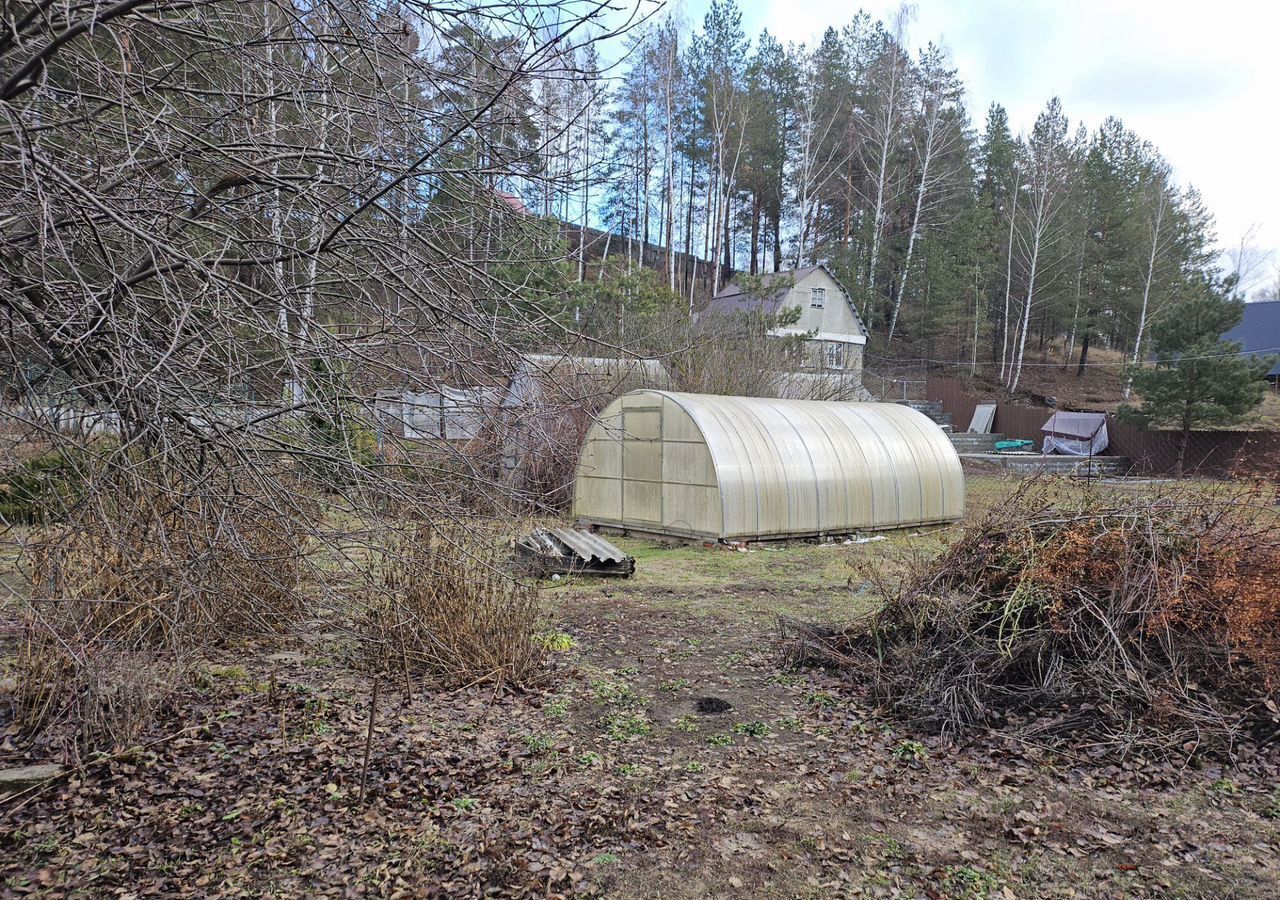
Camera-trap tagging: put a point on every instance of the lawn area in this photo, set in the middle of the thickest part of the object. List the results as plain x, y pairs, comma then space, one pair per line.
667, 753
751, 586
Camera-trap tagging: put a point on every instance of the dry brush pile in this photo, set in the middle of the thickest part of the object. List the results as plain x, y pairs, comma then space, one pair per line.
1116, 621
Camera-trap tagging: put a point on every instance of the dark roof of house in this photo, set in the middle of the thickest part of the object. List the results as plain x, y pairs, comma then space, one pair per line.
1259, 331
731, 299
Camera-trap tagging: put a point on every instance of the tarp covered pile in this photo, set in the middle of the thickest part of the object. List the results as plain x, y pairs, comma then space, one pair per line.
1075, 433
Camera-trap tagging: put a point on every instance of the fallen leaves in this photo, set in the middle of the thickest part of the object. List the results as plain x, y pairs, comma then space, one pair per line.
518, 795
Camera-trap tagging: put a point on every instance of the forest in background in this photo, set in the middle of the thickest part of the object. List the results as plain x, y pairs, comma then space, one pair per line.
339, 179
959, 239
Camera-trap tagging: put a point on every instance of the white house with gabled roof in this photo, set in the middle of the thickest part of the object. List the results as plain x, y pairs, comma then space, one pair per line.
827, 319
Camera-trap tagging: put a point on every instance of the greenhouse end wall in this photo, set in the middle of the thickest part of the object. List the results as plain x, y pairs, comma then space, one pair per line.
703, 466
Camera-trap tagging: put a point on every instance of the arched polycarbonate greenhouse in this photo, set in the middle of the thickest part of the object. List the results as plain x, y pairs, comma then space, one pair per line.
735, 468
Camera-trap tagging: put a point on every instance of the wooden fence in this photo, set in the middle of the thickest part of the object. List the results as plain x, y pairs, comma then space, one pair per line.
1209, 453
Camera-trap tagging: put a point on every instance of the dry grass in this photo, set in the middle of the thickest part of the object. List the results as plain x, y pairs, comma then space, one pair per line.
165, 571
80, 694
441, 602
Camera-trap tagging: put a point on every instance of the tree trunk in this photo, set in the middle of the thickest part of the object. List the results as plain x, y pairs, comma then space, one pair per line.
728, 248
876, 224
906, 264
608, 238
671, 172
1075, 311
586, 202
777, 241
688, 229
755, 233
1026, 313
1008, 282
1157, 219
1184, 438
977, 317
1084, 350
277, 207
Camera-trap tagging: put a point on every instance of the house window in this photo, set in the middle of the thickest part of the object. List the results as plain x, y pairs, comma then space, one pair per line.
817, 297
835, 355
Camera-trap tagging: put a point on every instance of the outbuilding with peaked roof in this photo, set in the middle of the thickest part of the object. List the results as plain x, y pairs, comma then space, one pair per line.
1259, 333
746, 468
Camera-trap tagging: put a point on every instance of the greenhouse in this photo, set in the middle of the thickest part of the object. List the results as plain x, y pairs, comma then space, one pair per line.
746, 468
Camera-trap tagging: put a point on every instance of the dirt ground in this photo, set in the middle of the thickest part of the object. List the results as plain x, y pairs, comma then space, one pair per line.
668, 754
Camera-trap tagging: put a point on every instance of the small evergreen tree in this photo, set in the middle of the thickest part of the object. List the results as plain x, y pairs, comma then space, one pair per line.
1198, 379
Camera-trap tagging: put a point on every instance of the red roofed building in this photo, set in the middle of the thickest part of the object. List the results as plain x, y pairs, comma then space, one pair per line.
512, 200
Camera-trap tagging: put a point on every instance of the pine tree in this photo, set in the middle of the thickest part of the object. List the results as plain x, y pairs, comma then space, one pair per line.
770, 86
997, 192
1198, 379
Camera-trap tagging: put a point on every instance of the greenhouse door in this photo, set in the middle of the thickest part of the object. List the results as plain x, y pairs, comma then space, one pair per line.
642, 465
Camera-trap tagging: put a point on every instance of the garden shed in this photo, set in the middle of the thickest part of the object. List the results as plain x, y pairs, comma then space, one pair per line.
734, 468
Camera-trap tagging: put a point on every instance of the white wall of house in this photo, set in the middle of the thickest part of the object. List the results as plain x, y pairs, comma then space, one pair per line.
825, 310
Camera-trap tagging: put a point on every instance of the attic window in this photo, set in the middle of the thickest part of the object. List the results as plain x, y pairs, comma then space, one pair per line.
817, 297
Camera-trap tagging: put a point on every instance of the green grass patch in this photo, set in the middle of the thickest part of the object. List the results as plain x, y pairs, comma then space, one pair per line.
623, 726
615, 693
555, 641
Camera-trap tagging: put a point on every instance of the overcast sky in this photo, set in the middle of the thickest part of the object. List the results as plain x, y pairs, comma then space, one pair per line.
1199, 80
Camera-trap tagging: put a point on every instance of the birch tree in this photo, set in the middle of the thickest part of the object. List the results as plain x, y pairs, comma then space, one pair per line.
883, 126
817, 157
938, 135
1047, 164
1156, 207
723, 48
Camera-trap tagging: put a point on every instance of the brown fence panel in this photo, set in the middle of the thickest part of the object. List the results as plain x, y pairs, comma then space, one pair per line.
1021, 422
950, 392
1013, 420
1212, 454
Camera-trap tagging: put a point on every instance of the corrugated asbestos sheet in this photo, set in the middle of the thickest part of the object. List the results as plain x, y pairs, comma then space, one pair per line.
564, 550
588, 546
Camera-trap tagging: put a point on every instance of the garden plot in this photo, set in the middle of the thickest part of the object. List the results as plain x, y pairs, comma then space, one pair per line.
665, 750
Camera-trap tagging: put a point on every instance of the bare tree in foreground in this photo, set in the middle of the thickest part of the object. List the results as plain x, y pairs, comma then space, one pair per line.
225, 227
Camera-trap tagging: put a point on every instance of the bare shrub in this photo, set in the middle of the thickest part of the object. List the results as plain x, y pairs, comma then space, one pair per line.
547, 444
440, 602
417, 481
80, 693
738, 355
171, 567
149, 570
1128, 621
